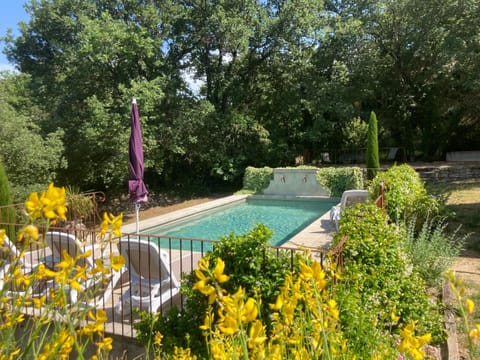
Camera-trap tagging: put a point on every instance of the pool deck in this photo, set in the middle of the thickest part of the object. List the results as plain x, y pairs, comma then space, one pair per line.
317, 235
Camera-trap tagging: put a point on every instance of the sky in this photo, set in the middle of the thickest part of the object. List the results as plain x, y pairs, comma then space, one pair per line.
11, 13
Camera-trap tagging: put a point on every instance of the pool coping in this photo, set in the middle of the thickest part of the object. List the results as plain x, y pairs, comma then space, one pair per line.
317, 235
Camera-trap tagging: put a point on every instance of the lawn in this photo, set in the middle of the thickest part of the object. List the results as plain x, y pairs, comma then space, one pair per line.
463, 200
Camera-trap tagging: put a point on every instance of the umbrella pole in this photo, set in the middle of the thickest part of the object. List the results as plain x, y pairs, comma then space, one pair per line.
137, 210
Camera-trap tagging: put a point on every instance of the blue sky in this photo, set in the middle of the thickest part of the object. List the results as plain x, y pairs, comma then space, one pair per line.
11, 13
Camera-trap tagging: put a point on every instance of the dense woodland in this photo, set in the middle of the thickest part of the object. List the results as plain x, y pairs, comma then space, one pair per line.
275, 80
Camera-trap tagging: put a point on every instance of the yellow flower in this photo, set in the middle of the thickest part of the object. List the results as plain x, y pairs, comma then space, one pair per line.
203, 264
218, 271
256, 334
39, 302
278, 304
157, 339
228, 324
250, 311
50, 204
475, 333
306, 271
29, 232
205, 289
394, 317
117, 262
2, 236
470, 306
114, 221
207, 324
104, 345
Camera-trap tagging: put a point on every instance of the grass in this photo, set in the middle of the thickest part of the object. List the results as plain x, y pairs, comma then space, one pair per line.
463, 202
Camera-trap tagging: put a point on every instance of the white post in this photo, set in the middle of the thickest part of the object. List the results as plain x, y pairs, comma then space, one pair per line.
137, 210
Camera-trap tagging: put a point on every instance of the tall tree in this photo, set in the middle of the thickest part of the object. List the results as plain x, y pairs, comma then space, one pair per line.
372, 156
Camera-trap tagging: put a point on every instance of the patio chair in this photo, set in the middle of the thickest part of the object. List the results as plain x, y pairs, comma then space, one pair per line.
349, 198
10, 256
101, 286
152, 284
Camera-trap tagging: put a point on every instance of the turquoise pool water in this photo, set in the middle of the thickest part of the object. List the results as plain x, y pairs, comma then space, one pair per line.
285, 218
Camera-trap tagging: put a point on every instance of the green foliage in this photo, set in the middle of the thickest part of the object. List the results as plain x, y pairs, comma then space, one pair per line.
30, 155
80, 207
257, 179
7, 214
337, 180
405, 194
250, 263
372, 156
379, 272
432, 250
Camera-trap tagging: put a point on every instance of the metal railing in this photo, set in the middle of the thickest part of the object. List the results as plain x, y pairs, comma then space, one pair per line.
149, 280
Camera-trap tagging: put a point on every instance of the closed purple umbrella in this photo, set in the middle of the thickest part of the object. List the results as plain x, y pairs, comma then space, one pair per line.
136, 187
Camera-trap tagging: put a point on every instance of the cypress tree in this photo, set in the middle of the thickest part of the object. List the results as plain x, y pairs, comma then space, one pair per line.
7, 212
372, 156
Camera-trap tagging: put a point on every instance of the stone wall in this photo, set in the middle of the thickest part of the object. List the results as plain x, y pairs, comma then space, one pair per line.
450, 172
295, 182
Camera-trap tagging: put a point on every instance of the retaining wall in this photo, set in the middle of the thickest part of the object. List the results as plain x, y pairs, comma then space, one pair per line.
450, 172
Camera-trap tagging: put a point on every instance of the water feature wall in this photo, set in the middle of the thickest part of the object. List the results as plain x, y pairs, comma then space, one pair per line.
295, 182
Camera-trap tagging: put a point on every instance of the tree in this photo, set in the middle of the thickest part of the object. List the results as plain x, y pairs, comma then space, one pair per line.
32, 157
372, 157
7, 212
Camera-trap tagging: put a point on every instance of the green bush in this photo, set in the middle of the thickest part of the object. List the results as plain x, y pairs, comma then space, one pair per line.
431, 250
250, 263
257, 179
337, 180
372, 156
405, 194
7, 214
378, 271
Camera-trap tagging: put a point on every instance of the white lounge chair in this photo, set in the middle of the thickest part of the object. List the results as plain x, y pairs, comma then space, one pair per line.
349, 198
10, 256
101, 286
152, 284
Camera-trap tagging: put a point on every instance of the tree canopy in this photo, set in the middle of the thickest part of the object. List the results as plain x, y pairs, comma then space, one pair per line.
278, 79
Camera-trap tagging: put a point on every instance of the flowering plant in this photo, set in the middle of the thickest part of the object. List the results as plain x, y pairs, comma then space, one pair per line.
38, 298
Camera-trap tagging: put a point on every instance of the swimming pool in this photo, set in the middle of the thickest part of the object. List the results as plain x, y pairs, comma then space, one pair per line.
284, 217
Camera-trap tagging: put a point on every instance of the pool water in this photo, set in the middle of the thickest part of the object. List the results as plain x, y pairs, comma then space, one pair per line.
284, 217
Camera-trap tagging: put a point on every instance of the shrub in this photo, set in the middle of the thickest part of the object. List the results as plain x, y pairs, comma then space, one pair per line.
257, 179
379, 272
337, 180
431, 250
7, 213
372, 156
252, 265
405, 194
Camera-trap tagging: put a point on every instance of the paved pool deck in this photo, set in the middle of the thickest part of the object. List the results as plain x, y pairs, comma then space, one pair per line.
318, 235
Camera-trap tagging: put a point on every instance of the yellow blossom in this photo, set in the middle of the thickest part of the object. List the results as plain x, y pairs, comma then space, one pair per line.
104, 345
394, 317
207, 324
218, 271
27, 233
470, 306
114, 221
117, 262
256, 334
475, 333
250, 311
50, 204
157, 340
